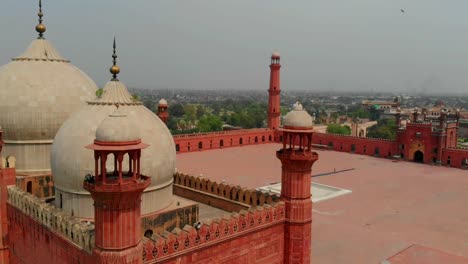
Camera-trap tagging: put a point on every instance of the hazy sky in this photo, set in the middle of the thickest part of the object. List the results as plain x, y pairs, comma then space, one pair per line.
337, 45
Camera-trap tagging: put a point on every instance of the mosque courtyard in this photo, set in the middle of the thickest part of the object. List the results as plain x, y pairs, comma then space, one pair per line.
393, 207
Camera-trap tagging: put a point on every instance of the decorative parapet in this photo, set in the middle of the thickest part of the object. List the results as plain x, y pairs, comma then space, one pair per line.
250, 197
458, 149
222, 133
420, 124
355, 137
77, 231
182, 241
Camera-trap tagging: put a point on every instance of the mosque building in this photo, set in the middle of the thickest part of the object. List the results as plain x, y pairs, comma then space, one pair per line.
118, 204
91, 178
40, 90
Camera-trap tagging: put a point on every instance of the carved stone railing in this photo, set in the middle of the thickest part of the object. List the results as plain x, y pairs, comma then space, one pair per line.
77, 231
184, 241
230, 192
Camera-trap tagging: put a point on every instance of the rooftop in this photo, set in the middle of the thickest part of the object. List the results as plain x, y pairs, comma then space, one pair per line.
393, 205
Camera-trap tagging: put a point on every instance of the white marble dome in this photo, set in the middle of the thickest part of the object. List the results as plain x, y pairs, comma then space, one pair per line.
117, 127
39, 90
71, 161
162, 102
298, 118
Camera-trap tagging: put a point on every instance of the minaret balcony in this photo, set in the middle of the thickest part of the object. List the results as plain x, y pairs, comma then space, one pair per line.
296, 154
112, 184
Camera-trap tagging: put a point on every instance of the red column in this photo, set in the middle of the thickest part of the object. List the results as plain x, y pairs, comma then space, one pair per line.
117, 216
7, 177
295, 192
274, 94
163, 113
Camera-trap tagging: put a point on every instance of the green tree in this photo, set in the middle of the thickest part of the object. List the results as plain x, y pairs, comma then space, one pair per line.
176, 110
200, 111
234, 119
210, 123
385, 128
99, 92
172, 124
135, 97
338, 129
360, 113
190, 114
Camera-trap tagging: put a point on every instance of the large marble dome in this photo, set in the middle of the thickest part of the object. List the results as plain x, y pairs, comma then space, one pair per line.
71, 161
39, 90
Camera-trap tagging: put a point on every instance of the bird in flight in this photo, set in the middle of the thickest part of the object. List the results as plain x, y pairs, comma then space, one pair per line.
403, 11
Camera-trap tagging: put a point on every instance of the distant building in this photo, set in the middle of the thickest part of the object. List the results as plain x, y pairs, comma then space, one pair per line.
380, 105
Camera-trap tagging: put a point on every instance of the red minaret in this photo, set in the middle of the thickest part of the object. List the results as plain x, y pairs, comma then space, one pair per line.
297, 159
274, 92
7, 177
117, 193
162, 110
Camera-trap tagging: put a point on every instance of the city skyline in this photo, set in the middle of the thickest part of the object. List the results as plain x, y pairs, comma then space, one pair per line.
365, 46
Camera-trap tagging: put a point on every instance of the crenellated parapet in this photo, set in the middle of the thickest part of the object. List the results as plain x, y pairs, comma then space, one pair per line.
80, 232
230, 192
355, 137
173, 244
222, 133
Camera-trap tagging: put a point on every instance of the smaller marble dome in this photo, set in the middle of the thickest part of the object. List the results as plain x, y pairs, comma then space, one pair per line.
275, 55
117, 127
162, 102
298, 118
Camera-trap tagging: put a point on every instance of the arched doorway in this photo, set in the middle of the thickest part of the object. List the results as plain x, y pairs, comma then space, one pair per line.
29, 187
362, 133
419, 156
148, 233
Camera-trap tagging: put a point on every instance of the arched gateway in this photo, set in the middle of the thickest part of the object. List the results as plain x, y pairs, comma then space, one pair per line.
418, 156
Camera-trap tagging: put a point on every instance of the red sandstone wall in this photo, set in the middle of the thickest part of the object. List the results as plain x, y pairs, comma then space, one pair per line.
262, 246
41, 186
253, 236
225, 139
365, 146
426, 142
7, 177
456, 158
31, 242
452, 135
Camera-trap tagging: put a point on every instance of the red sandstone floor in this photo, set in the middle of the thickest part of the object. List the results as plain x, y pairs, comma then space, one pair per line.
393, 205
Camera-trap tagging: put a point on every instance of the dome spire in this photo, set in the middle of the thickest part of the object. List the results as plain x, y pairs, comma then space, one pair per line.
114, 69
40, 28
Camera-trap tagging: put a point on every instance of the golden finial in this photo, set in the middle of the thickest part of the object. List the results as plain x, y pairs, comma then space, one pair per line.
114, 69
40, 28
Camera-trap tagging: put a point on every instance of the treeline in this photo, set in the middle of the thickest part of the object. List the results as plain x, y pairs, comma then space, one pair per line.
211, 116
385, 128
